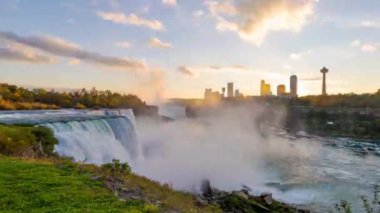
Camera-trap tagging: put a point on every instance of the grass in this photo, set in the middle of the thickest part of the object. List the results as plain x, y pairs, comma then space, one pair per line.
59, 185
168, 198
39, 186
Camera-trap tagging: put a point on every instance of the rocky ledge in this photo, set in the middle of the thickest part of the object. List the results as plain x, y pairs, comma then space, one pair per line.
242, 201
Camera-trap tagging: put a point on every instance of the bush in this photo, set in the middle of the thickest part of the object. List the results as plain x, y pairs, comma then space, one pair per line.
66, 163
117, 168
28, 141
46, 137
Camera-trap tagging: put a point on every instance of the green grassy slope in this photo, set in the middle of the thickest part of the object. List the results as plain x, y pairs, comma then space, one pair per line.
38, 186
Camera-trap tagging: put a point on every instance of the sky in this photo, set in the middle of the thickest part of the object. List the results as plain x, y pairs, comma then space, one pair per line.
177, 48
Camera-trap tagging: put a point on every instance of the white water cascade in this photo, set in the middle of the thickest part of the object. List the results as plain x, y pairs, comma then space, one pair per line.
97, 140
92, 136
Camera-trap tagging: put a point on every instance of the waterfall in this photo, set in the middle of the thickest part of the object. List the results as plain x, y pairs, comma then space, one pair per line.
98, 140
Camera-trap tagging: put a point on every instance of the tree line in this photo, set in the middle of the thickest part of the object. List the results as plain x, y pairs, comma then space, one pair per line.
368, 100
13, 97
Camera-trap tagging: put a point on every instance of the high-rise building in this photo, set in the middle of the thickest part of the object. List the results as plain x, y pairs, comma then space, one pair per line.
223, 91
281, 90
208, 93
293, 86
230, 90
237, 93
265, 89
212, 97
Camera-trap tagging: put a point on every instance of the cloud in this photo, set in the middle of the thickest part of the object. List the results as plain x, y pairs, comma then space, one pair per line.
157, 43
198, 13
131, 19
300, 55
24, 56
370, 24
123, 44
235, 68
287, 66
253, 21
186, 71
114, 4
169, 2
369, 48
310, 78
225, 7
355, 43
364, 47
63, 48
295, 56
73, 62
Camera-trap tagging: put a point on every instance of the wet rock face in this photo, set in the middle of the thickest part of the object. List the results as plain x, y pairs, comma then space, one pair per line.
241, 201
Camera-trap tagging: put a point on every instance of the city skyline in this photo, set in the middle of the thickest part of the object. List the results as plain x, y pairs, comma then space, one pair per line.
168, 49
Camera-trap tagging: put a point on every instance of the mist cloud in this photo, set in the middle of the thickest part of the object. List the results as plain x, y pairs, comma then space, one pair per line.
63, 48
253, 21
186, 151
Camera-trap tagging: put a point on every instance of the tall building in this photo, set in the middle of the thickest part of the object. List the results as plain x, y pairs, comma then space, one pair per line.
212, 97
223, 91
293, 86
208, 93
265, 89
281, 90
324, 70
230, 90
237, 93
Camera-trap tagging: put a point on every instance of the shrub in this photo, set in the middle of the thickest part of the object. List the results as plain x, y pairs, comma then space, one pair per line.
117, 168
343, 207
66, 163
46, 138
26, 141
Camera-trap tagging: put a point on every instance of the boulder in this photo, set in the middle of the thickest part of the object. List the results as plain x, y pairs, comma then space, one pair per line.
246, 189
267, 198
201, 201
240, 194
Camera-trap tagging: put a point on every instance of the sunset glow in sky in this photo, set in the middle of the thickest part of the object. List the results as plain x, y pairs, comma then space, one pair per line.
176, 48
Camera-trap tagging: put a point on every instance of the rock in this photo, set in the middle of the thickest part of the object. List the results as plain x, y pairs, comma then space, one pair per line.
246, 189
206, 188
240, 194
94, 177
302, 211
201, 201
267, 198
